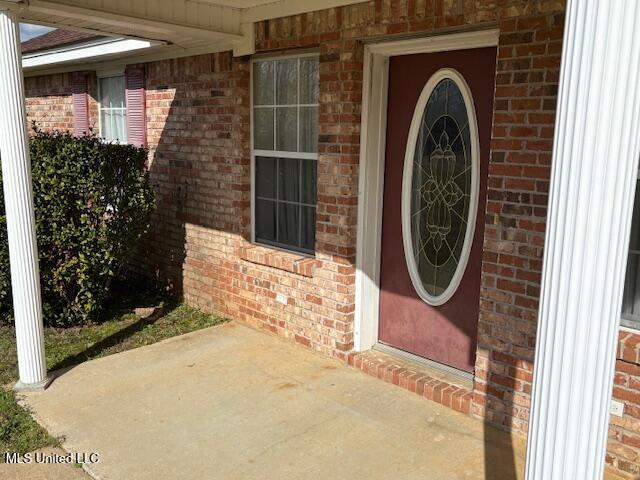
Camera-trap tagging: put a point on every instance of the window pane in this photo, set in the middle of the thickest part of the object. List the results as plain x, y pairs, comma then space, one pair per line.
287, 82
113, 112
285, 188
308, 179
444, 166
266, 177
266, 220
308, 228
288, 223
631, 297
263, 83
112, 92
289, 179
105, 123
122, 123
634, 241
263, 128
309, 80
114, 125
309, 129
286, 129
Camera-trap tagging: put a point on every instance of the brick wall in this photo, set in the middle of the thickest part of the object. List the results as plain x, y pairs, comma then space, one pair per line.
519, 171
50, 104
198, 126
199, 134
623, 451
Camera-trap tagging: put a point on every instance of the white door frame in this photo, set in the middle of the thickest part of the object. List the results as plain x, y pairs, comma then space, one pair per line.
372, 158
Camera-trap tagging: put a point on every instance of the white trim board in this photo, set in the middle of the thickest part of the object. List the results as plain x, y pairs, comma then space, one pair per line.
151, 54
287, 8
84, 52
371, 170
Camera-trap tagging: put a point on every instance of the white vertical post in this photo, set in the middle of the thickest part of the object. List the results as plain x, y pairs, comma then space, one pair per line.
595, 159
18, 197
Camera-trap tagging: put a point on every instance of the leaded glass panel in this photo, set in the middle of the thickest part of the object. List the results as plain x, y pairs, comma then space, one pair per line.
441, 188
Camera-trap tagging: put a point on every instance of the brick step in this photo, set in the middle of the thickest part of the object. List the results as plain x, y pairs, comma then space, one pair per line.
414, 377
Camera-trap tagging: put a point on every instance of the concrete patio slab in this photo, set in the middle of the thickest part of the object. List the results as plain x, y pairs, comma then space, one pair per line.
230, 402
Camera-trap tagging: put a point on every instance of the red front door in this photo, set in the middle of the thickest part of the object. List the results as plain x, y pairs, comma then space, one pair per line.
435, 191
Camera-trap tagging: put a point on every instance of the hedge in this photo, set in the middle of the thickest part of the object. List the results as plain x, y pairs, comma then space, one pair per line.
93, 201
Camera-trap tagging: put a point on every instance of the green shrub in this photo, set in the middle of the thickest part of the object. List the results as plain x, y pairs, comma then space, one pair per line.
93, 201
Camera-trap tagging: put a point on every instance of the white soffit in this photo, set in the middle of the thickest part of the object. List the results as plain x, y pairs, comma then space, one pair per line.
284, 8
84, 52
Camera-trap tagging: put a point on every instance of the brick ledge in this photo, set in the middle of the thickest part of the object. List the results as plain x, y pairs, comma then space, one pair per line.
288, 262
414, 378
629, 347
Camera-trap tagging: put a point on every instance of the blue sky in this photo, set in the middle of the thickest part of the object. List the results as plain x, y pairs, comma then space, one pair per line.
28, 31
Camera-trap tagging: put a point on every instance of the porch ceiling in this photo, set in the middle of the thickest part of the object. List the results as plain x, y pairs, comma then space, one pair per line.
185, 24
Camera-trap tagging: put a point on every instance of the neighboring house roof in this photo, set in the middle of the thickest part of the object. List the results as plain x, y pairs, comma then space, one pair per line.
55, 39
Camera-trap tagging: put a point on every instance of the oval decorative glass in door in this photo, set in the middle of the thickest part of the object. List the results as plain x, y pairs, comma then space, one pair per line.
440, 187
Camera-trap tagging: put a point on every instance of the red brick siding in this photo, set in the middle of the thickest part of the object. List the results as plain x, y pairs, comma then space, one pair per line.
199, 134
50, 105
623, 452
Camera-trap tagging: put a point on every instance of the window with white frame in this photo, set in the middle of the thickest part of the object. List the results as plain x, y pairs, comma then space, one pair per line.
285, 136
631, 296
112, 107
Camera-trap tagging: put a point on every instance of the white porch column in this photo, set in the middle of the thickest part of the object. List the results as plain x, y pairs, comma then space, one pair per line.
18, 197
595, 159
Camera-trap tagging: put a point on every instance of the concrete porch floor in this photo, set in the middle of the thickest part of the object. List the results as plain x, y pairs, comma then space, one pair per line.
230, 402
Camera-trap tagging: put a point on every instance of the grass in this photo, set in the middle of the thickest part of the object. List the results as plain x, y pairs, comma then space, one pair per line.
18, 431
117, 330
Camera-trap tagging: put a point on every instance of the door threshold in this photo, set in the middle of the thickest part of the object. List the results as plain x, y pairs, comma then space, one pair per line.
440, 371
